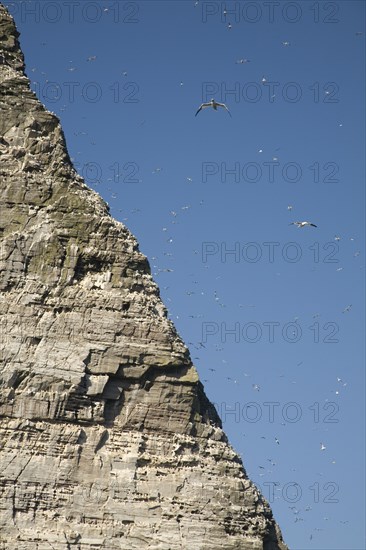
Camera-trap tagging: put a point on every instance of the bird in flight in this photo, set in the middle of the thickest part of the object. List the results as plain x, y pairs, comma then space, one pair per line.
303, 224
214, 104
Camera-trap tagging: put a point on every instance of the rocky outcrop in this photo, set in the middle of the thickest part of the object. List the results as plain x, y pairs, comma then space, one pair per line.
107, 438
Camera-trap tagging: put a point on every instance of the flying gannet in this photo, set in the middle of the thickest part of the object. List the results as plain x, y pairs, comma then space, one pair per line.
303, 224
214, 104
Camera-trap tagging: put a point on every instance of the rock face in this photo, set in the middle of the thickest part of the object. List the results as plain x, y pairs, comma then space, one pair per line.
107, 438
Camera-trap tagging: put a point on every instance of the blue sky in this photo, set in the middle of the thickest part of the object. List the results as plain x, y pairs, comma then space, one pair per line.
126, 79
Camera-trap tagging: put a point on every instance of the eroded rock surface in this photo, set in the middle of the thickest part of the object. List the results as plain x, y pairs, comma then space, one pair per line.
107, 438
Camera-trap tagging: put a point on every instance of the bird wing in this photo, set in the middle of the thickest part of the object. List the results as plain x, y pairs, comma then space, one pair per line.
202, 107
223, 105
313, 224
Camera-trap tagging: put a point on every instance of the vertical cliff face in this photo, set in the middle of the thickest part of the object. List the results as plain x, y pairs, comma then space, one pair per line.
107, 438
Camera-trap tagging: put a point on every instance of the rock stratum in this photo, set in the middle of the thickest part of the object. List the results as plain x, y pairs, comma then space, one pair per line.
107, 439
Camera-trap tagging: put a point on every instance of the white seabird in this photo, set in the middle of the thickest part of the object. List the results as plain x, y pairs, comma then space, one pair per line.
214, 104
303, 224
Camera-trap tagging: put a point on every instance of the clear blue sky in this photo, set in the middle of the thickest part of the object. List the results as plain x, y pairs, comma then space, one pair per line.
297, 139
